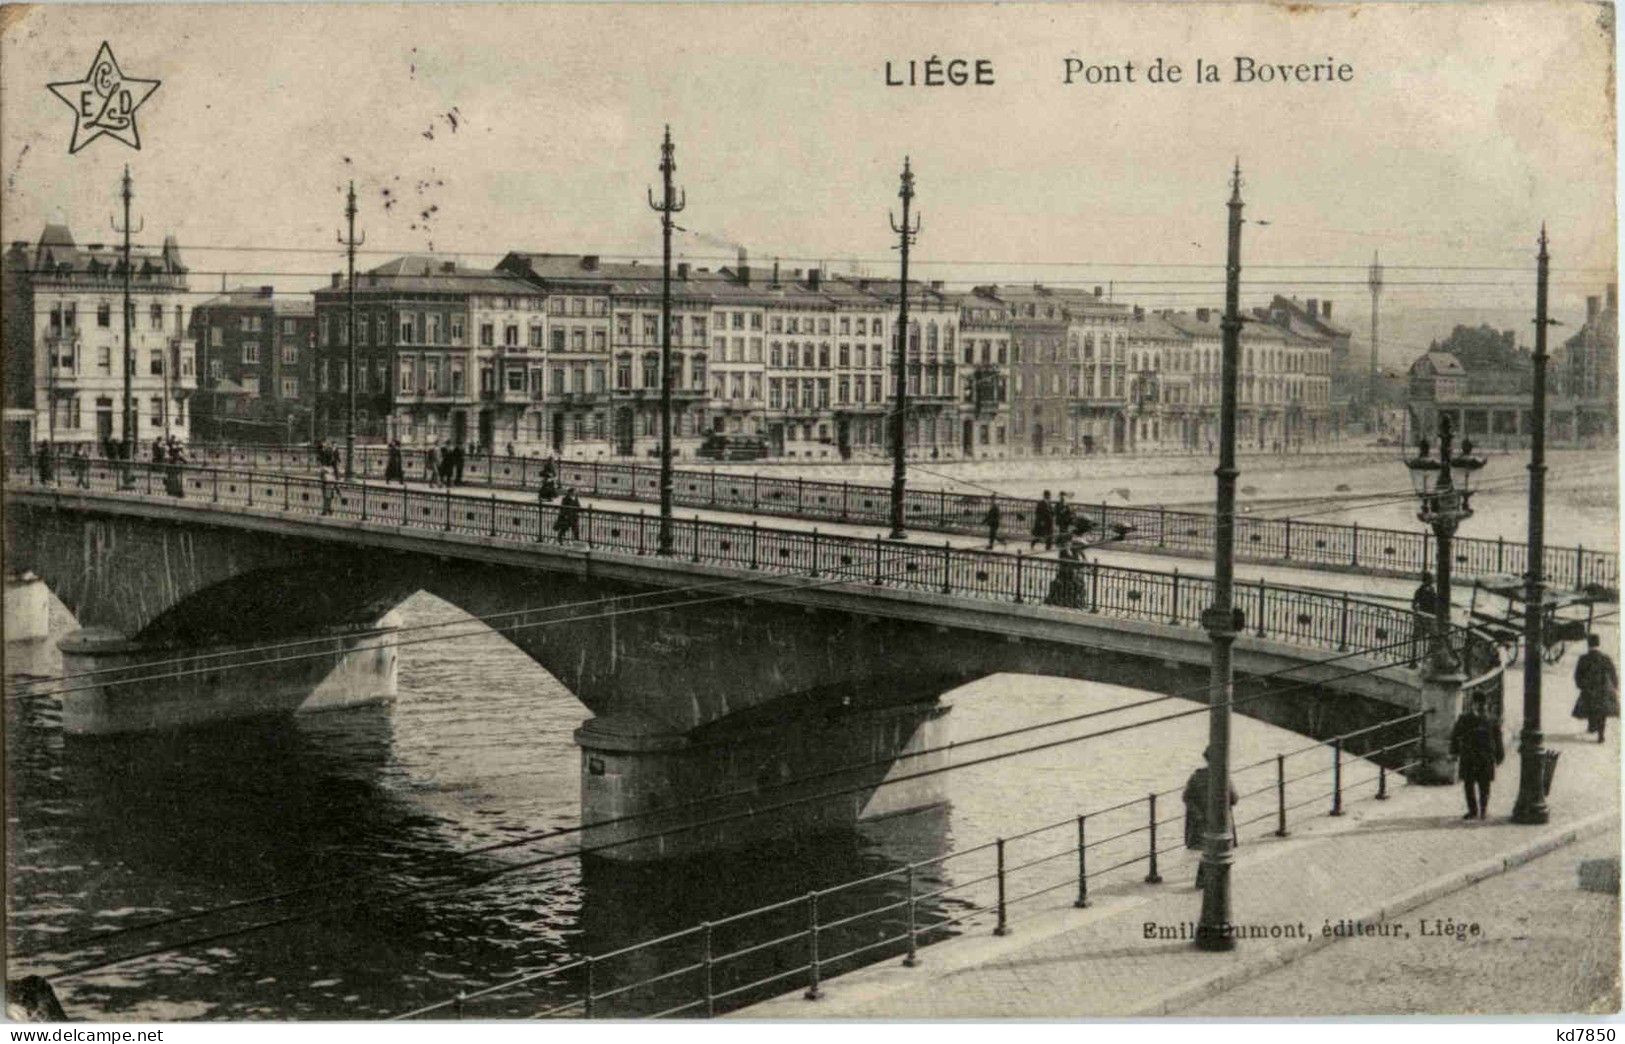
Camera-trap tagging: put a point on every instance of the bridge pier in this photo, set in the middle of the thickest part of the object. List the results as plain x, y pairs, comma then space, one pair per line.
640, 778
27, 608
342, 668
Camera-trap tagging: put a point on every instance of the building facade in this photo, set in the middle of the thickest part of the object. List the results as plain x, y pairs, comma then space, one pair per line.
255, 355
65, 342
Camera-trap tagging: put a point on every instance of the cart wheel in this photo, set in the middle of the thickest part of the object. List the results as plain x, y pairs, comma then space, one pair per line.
1554, 651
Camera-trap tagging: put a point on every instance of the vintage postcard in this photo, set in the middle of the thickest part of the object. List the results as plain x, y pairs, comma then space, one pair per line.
805, 511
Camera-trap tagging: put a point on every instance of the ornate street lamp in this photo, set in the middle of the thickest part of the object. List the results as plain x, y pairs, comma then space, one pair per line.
1444, 487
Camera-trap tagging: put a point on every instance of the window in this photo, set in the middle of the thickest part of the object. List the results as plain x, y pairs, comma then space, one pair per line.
510, 336
406, 330
698, 332
434, 329
157, 363
104, 314
755, 350
251, 353
699, 373
676, 328
558, 340
536, 336
558, 380
775, 393
598, 340
599, 379
157, 410
487, 335
290, 387
456, 329
290, 354
623, 375
739, 320
578, 339
651, 328
651, 371
516, 379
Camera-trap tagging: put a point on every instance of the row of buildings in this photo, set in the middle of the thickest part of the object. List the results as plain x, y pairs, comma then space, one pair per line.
560, 353
1482, 380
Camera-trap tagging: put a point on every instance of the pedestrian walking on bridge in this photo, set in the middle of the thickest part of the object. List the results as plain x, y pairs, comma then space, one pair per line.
1475, 743
991, 521
569, 518
1424, 606
1598, 682
1044, 523
394, 467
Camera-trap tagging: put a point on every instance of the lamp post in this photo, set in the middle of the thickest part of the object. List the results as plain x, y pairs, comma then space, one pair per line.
1531, 804
1222, 620
1443, 486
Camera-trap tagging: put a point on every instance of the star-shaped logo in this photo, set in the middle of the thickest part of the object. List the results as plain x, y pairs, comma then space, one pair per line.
104, 102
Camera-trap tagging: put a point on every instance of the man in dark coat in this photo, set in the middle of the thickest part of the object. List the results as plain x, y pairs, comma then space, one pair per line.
1424, 604
550, 485
991, 520
1598, 682
394, 467
1044, 523
1475, 743
457, 463
1195, 797
1063, 516
569, 519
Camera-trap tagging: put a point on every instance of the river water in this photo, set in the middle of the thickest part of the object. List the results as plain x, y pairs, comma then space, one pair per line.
105, 834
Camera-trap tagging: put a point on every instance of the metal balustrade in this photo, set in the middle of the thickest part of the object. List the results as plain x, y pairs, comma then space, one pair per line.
1318, 619
804, 941
1278, 540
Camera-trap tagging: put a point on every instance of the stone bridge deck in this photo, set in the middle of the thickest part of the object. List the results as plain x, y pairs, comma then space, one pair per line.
1151, 529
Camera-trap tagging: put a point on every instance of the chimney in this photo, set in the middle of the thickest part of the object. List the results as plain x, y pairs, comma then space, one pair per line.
1314, 308
813, 277
682, 270
337, 276
775, 273
1204, 314
1099, 291
1613, 297
1325, 309
744, 267
1139, 313
265, 291
589, 262
1593, 303
449, 267
936, 284
863, 284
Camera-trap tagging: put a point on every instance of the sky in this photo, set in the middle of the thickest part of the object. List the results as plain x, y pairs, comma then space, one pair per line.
1462, 128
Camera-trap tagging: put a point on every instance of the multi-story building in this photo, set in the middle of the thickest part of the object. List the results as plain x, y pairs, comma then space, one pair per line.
1483, 382
64, 337
1200, 361
1585, 375
422, 372
254, 361
984, 384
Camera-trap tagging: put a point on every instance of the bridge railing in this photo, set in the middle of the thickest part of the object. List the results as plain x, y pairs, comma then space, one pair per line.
1297, 616
1325, 544
803, 941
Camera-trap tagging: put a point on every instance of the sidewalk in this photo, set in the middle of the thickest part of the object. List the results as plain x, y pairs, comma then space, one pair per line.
1377, 866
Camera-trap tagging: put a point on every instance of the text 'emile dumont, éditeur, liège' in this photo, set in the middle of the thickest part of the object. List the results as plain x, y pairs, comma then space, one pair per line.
954, 71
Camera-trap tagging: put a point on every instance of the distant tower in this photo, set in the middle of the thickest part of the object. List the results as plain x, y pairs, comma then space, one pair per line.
1374, 280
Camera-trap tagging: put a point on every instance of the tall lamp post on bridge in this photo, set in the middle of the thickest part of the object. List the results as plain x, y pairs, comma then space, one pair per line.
1531, 804
669, 204
899, 473
1222, 620
1444, 488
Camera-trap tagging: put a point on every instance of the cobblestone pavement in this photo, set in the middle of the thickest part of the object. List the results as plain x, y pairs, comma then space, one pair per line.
1376, 865
1545, 946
